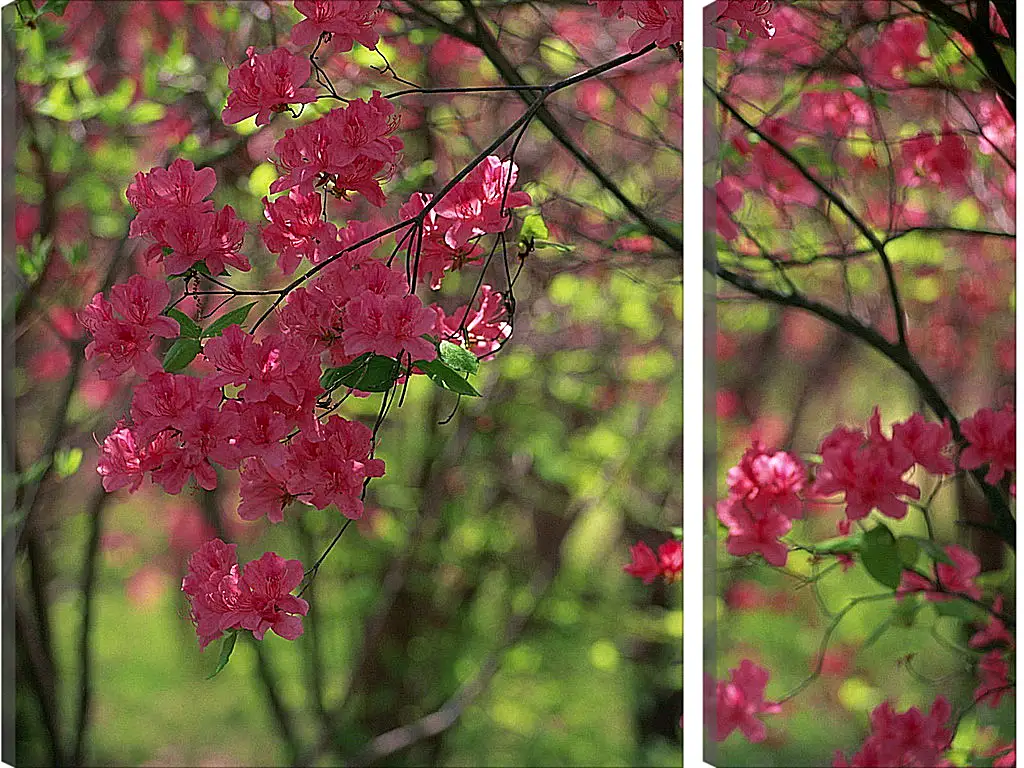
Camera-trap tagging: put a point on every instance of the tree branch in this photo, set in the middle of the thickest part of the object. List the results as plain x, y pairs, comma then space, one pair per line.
838, 201
484, 40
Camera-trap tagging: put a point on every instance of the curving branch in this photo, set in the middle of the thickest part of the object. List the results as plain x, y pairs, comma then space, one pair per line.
897, 354
837, 200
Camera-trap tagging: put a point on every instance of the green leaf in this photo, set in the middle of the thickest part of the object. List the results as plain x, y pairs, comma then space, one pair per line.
227, 645
533, 228
186, 324
35, 472
881, 556
459, 358
905, 611
146, 112
840, 545
933, 550
909, 550
677, 532
181, 353
56, 7
234, 317
446, 378
367, 373
67, 461
958, 609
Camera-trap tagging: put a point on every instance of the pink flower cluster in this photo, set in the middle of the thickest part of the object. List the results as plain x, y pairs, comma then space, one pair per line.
869, 468
343, 21
180, 223
762, 502
437, 256
225, 596
910, 739
298, 230
770, 172
661, 21
646, 565
350, 149
887, 62
359, 305
125, 342
940, 161
736, 702
324, 466
255, 406
992, 440
265, 84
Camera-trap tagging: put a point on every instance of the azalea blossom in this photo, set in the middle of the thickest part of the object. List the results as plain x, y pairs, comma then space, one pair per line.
265, 84
736, 702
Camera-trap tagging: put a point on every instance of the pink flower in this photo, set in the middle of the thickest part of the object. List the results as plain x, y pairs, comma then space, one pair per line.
943, 162
751, 534
661, 23
926, 443
868, 469
127, 342
992, 438
267, 83
896, 52
995, 631
750, 17
994, 681
178, 189
956, 578
481, 202
998, 129
345, 21
767, 482
160, 401
264, 491
910, 739
735, 703
645, 564
213, 590
770, 172
835, 111
119, 464
436, 255
268, 603
388, 326
482, 331
212, 238
277, 370
204, 435
670, 558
